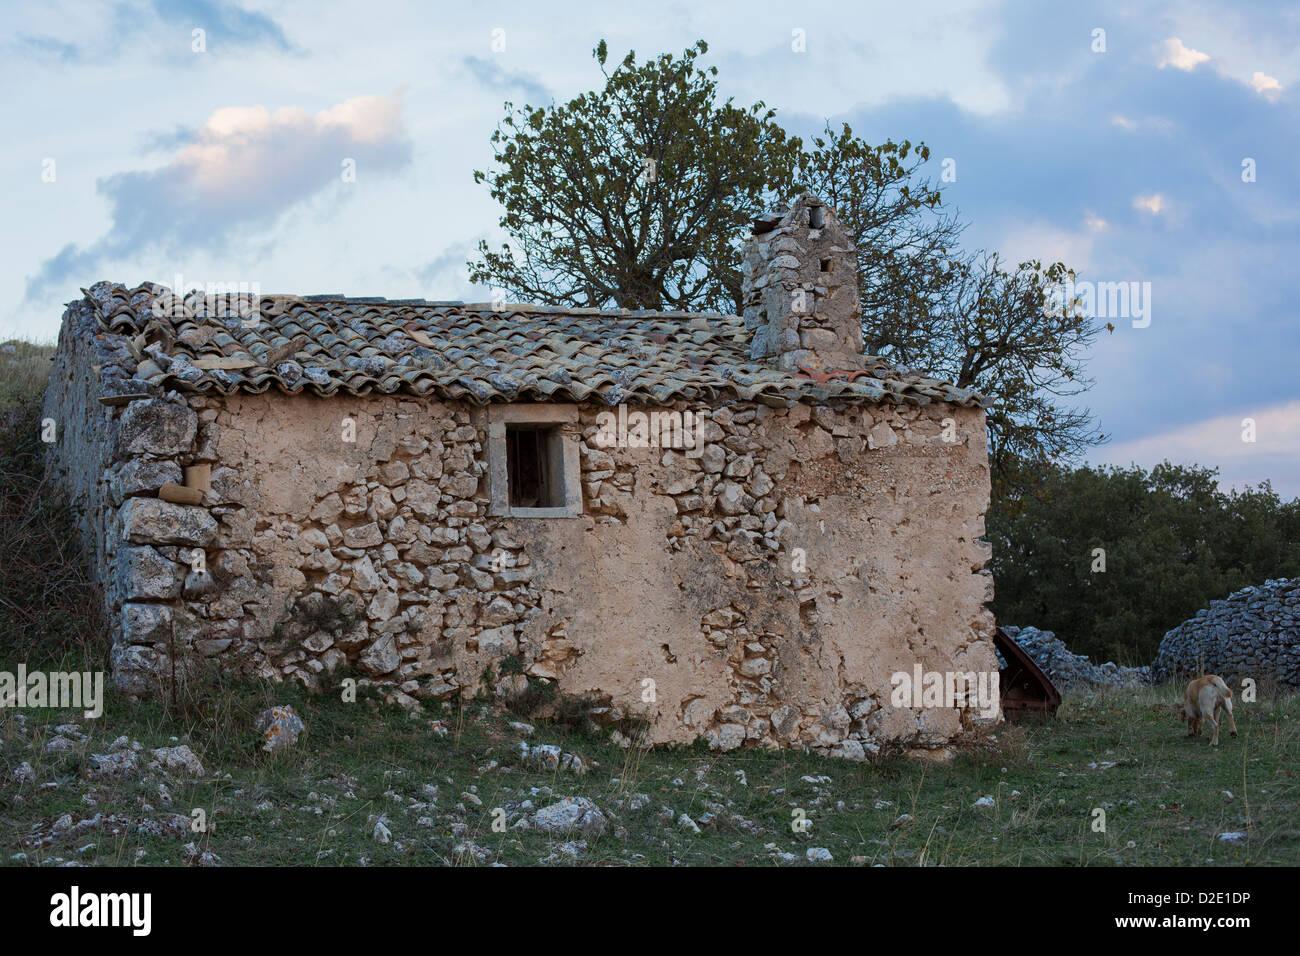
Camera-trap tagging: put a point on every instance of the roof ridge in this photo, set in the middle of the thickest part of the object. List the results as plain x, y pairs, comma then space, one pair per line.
490, 306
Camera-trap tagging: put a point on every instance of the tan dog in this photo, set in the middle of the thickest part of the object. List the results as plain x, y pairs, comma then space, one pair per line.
1204, 697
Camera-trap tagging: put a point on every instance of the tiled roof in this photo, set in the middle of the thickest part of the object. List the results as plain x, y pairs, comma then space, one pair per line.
329, 344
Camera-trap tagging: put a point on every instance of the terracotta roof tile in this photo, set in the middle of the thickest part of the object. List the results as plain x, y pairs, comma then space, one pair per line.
329, 344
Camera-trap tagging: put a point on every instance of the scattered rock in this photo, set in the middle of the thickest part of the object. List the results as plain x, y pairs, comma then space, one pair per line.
572, 763
470, 850
570, 815
176, 758
551, 757
546, 756
279, 727
192, 855
119, 763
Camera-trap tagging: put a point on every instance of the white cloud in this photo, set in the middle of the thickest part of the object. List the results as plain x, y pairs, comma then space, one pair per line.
240, 148
1217, 442
1129, 123
1154, 204
1180, 57
245, 166
1246, 36
1266, 85
1049, 243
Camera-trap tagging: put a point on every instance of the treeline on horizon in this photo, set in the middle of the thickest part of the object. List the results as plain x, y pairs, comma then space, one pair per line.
1172, 542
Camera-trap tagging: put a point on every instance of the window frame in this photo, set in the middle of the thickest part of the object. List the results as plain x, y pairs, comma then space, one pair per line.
544, 416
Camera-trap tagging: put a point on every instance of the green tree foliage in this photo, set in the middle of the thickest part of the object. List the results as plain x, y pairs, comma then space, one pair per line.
1173, 542
997, 331
635, 195
48, 604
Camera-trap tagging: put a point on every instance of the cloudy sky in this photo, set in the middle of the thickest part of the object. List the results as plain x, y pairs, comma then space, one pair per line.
1141, 143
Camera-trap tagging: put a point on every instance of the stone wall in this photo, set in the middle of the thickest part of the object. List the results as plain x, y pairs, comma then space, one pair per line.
762, 593
118, 439
1068, 670
1254, 632
85, 430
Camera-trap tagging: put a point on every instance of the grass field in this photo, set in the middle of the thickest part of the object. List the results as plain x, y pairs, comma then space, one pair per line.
24, 369
436, 779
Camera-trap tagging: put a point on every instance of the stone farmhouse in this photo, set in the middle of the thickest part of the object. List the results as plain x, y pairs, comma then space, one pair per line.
729, 527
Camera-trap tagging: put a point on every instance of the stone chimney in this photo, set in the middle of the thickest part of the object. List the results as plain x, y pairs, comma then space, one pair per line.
800, 289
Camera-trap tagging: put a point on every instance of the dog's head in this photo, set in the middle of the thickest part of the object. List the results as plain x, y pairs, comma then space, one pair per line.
1193, 723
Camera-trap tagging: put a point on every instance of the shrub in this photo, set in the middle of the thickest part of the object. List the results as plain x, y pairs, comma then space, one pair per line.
49, 607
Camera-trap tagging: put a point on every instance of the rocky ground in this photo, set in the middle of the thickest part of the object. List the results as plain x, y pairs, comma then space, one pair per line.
319, 781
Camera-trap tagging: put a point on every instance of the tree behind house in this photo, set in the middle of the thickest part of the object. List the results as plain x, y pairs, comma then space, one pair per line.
634, 195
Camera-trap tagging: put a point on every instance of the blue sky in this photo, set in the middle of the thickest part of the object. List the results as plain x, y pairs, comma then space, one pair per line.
135, 156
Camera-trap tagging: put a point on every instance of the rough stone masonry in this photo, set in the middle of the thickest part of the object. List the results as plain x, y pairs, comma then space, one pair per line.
357, 463
1254, 632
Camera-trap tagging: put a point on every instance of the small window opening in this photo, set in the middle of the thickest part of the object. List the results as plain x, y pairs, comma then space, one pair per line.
816, 217
534, 463
828, 265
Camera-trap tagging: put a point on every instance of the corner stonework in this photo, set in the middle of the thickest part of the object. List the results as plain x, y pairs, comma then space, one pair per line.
153, 541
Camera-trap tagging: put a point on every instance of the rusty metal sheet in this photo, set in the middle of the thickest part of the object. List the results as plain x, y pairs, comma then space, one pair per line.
1022, 684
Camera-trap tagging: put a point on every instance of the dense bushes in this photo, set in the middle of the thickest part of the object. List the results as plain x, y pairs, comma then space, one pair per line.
1172, 540
48, 606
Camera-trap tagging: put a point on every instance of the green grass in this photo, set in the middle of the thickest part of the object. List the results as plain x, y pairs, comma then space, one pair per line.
1164, 798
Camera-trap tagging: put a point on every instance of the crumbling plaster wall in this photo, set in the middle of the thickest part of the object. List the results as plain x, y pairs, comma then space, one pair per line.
768, 588
682, 571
